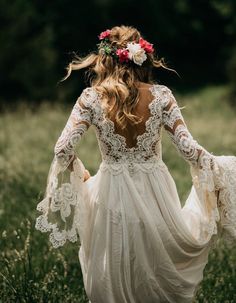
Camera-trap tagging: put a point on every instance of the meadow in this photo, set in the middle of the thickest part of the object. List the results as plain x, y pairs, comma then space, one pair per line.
30, 269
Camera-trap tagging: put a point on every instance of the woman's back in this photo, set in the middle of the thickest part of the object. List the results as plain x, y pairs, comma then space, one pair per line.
138, 244
135, 143
141, 110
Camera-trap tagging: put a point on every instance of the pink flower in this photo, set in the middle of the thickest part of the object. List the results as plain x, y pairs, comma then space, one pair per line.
148, 47
104, 34
123, 55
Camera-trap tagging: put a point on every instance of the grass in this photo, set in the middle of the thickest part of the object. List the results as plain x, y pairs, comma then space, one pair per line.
30, 270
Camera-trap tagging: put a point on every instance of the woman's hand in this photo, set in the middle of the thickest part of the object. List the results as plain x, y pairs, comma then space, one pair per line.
86, 175
86, 172
70, 167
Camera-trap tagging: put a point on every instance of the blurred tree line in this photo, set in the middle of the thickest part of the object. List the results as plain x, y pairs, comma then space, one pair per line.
38, 38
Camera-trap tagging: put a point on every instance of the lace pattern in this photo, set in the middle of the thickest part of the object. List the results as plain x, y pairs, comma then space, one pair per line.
113, 146
78, 122
201, 162
148, 166
65, 188
65, 193
225, 180
174, 123
61, 203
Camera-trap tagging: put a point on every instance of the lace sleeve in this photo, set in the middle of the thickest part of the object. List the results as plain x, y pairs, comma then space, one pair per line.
214, 177
78, 122
175, 126
201, 166
66, 191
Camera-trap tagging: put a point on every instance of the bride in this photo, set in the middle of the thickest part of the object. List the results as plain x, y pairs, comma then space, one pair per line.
136, 242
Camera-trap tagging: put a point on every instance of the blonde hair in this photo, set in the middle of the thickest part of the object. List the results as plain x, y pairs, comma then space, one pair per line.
117, 81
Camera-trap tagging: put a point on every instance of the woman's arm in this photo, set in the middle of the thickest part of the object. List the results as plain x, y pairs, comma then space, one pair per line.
176, 128
66, 191
78, 122
203, 166
214, 177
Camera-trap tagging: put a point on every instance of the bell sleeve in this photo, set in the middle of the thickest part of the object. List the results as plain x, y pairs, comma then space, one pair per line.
66, 191
212, 199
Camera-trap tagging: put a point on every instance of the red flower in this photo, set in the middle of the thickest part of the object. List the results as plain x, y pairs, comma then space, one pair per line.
104, 34
123, 55
148, 47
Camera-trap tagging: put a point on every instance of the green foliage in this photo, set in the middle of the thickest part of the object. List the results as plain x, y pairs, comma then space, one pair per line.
28, 56
231, 68
227, 10
33, 272
30, 269
197, 38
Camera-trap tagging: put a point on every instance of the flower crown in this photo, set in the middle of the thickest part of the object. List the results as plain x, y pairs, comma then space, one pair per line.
136, 52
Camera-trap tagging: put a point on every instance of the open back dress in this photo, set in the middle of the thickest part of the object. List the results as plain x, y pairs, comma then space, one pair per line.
136, 242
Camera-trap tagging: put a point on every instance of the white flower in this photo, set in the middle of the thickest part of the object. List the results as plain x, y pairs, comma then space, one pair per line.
136, 53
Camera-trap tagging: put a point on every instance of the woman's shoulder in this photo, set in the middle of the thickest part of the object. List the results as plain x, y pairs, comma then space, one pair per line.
161, 88
89, 95
162, 93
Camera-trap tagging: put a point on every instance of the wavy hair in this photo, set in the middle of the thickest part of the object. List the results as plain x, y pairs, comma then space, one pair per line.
115, 81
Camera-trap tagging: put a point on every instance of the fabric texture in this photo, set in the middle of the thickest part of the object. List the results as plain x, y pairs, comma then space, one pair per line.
137, 244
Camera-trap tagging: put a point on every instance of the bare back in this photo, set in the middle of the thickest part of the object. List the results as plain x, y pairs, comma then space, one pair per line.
142, 109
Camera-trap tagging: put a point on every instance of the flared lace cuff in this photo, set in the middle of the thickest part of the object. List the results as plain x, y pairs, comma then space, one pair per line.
204, 186
225, 180
215, 184
64, 193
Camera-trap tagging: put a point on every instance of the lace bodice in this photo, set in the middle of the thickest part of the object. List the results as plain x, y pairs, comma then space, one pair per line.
164, 112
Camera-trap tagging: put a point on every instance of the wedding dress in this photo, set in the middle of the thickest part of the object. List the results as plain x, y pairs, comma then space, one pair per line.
136, 243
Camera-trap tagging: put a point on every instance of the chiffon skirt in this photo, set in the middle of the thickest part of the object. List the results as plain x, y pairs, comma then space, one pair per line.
137, 243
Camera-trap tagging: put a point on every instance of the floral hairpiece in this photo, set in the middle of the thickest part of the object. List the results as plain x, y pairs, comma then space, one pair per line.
136, 52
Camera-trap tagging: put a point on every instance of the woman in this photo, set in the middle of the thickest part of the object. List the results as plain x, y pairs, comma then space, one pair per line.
137, 244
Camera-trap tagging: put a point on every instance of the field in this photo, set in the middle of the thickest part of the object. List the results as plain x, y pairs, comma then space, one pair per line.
30, 270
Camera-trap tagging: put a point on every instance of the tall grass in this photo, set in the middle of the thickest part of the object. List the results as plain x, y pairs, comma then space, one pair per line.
30, 269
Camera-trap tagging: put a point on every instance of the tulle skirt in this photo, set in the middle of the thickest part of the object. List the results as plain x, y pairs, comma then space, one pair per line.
137, 243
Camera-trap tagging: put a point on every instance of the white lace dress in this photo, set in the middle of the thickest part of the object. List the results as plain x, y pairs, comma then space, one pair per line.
137, 244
